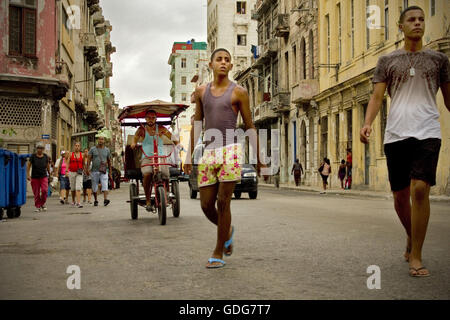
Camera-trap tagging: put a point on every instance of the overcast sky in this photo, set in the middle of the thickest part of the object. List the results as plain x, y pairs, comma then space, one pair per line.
143, 34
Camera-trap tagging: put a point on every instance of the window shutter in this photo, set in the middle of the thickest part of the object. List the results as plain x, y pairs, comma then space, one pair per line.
15, 30
30, 32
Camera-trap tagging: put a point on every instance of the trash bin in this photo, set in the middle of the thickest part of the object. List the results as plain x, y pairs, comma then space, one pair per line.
19, 197
5, 179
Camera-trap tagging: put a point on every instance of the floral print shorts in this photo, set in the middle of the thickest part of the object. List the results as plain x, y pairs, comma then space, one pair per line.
220, 165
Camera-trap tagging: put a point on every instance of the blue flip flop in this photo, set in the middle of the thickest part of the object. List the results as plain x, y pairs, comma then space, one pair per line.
211, 260
229, 242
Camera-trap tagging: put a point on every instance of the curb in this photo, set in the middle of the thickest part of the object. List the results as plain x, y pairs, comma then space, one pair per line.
355, 193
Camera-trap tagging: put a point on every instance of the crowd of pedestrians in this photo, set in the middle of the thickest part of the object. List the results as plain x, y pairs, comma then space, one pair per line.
77, 174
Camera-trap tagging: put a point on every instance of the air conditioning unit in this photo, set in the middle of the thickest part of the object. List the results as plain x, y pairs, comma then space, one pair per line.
69, 95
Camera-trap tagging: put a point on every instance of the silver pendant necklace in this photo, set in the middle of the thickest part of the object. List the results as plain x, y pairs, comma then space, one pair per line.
412, 70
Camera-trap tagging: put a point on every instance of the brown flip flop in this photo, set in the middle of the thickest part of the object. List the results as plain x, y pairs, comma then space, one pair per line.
417, 274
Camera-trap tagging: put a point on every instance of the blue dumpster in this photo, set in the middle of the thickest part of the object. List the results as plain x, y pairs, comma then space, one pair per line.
19, 197
5, 179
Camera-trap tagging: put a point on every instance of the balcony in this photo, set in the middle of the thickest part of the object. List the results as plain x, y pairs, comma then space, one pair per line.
94, 8
97, 70
88, 40
270, 47
282, 101
62, 73
263, 112
98, 18
100, 30
262, 6
172, 74
305, 90
92, 107
282, 25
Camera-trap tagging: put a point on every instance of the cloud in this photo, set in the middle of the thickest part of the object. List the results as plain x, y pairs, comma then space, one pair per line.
143, 34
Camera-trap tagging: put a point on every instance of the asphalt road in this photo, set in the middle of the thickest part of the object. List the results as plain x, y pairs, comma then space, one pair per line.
288, 245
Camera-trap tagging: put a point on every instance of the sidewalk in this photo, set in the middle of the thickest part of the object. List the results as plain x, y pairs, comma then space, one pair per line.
351, 192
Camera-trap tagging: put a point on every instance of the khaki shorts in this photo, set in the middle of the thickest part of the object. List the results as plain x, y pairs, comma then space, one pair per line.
149, 169
76, 181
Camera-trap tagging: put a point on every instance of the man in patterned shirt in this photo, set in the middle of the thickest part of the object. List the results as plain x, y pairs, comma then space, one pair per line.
412, 76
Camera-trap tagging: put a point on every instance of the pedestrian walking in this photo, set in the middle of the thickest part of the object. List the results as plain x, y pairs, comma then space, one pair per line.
297, 170
62, 170
325, 171
40, 169
75, 174
342, 172
100, 158
87, 179
412, 140
219, 104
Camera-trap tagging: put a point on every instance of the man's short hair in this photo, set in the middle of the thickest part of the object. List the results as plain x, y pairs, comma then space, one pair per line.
402, 15
150, 111
218, 50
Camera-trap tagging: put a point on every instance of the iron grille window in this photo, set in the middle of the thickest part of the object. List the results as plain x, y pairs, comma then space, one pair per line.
12, 111
324, 136
386, 19
352, 14
432, 7
349, 128
22, 29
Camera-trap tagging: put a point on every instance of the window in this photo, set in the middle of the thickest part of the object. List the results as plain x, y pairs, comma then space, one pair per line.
303, 53
339, 32
241, 7
22, 28
241, 40
286, 63
183, 62
327, 20
349, 128
311, 55
183, 80
352, 18
183, 97
268, 30
386, 19
432, 7
367, 29
405, 4
324, 136
294, 60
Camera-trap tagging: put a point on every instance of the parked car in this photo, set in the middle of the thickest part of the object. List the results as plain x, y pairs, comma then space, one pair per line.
248, 183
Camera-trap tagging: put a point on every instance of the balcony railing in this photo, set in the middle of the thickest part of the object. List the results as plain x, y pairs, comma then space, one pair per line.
282, 25
92, 106
282, 101
264, 111
305, 90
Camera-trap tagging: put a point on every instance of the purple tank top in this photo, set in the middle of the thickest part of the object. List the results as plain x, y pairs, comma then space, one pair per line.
219, 115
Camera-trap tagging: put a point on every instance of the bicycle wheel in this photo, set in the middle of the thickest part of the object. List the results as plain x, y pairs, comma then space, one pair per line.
176, 200
161, 205
133, 202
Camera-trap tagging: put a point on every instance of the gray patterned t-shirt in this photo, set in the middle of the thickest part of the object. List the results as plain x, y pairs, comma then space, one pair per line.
413, 111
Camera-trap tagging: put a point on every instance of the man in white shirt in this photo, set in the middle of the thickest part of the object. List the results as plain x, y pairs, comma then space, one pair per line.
412, 76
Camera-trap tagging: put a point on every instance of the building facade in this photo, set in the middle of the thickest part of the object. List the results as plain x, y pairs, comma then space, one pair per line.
32, 78
352, 52
54, 61
230, 26
187, 62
